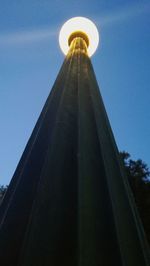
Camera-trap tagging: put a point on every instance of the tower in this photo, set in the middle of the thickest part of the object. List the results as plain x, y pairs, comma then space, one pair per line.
69, 202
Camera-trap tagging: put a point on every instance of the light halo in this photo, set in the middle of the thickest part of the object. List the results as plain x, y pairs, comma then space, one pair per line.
79, 24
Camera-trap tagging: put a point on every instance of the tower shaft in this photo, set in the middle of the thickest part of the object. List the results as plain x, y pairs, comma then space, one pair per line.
69, 202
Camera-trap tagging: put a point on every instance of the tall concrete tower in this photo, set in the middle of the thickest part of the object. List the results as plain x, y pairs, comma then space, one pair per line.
69, 202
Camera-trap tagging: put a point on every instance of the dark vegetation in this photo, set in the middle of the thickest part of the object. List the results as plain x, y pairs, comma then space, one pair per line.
2, 192
139, 179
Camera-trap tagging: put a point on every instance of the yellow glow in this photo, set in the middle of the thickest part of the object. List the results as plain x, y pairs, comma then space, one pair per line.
79, 24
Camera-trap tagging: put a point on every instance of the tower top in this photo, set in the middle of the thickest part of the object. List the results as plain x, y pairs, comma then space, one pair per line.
79, 27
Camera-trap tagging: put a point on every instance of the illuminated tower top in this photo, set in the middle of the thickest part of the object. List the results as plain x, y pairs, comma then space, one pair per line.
79, 27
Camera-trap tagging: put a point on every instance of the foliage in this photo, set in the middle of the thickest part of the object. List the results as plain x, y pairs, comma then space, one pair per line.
2, 191
135, 169
139, 179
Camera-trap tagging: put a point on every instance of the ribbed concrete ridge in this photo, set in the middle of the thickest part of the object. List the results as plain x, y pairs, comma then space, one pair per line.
69, 202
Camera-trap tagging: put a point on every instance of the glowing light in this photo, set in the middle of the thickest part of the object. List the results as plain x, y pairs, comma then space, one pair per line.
80, 24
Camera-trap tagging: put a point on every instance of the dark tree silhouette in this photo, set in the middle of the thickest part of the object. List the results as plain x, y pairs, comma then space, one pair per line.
139, 179
2, 192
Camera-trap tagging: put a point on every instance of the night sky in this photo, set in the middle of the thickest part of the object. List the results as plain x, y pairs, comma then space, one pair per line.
30, 59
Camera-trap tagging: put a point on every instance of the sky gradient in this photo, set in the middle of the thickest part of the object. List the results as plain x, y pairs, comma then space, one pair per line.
30, 59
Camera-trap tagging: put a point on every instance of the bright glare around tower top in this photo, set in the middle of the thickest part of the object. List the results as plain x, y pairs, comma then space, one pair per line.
79, 24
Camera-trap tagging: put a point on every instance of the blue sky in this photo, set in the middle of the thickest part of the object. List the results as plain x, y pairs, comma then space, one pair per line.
30, 59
